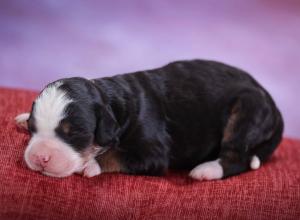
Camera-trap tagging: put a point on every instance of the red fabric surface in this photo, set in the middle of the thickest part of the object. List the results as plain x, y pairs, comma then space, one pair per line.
271, 192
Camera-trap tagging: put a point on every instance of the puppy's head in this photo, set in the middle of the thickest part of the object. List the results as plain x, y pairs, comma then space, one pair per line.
69, 123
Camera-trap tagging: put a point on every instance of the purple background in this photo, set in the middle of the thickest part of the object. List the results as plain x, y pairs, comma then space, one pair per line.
41, 41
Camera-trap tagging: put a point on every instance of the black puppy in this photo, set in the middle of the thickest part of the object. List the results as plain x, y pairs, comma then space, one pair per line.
201, 115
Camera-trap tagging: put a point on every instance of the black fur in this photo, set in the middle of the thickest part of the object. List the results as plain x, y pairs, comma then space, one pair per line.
175, 117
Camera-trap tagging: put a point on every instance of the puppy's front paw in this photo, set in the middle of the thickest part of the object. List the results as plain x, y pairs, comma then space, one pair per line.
91, 169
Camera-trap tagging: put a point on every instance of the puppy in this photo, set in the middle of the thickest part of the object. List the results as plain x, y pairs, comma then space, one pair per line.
203, 116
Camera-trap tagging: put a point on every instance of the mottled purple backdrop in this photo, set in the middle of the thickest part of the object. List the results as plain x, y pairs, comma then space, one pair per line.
41, 41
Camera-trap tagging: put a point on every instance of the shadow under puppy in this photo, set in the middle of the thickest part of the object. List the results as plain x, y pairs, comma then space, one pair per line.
201, 115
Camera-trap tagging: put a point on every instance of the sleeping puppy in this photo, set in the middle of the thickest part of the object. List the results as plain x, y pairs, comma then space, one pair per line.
204, 116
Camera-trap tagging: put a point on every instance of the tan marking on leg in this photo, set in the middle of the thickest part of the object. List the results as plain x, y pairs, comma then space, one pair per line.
109, 162
230, 126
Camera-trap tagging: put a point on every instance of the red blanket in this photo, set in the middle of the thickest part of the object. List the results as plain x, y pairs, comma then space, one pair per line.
271, 192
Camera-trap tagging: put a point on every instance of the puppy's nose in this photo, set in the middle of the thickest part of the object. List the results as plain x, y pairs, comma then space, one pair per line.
41, 160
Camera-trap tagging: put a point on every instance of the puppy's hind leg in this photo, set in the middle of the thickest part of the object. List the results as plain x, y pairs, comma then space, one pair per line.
250, 124
213, 170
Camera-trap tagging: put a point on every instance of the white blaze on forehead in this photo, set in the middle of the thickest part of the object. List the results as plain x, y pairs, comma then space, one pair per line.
49, 108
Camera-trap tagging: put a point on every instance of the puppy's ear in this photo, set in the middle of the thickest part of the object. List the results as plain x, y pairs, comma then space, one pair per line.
22, 120
107, 129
